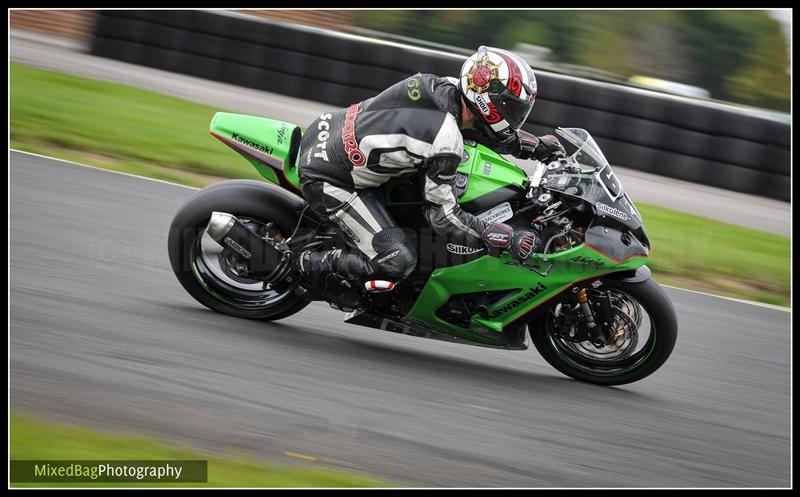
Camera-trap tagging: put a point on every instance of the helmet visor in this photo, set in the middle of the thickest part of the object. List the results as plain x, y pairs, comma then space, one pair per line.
513, 109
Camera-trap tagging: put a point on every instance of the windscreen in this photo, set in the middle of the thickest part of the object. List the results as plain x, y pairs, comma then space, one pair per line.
596, 182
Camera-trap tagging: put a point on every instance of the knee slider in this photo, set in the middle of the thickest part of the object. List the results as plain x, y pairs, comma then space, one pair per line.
396, 257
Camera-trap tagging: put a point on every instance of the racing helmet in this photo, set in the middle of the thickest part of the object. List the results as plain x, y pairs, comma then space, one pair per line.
500, 89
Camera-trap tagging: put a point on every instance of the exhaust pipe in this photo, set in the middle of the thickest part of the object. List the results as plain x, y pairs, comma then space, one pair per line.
219, 225
262, 259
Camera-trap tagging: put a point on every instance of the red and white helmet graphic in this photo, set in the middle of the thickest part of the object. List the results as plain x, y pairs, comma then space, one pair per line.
500, 88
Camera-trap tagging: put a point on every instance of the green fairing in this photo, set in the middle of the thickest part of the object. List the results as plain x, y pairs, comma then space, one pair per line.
487, 172
489, 273
267, 144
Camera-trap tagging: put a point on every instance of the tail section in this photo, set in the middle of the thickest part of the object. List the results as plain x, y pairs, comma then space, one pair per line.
270, 145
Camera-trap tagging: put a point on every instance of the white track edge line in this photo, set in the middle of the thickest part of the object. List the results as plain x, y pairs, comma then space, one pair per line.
751, 302
101, 169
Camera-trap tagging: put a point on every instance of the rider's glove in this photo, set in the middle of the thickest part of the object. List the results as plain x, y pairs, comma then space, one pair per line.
546, 148
500, 236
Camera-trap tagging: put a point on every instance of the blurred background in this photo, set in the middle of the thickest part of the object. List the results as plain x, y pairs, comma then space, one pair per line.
732, 55
740, 56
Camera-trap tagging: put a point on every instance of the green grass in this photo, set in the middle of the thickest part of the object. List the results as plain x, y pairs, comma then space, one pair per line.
141, 132
695, 252
119, 127
36, 439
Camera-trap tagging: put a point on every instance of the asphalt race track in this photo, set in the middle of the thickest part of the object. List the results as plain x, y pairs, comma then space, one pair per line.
101, 333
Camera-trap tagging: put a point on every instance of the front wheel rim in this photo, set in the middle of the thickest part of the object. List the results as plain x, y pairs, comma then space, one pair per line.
575, 354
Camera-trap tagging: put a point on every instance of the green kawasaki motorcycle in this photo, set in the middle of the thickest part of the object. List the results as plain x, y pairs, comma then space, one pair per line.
586, 301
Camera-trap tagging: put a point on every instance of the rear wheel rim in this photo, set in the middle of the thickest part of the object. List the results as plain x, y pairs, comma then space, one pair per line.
207, 259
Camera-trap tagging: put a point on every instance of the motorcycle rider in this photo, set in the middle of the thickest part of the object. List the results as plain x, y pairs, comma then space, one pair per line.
417, 123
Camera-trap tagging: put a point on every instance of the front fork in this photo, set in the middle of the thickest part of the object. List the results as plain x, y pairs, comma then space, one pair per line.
596, 313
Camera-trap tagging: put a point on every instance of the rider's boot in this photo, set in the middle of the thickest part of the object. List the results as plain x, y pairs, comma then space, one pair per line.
333, 275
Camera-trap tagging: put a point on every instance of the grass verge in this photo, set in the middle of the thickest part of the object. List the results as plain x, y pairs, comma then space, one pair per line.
118, 127
705, 255
36, 439
136, 131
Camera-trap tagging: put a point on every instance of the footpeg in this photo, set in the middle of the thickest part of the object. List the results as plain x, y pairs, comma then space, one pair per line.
378, 286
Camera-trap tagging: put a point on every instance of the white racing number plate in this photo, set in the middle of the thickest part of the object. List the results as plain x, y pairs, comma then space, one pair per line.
497, 214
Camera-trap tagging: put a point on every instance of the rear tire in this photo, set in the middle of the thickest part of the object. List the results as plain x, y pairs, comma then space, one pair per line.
246, 200
661, 340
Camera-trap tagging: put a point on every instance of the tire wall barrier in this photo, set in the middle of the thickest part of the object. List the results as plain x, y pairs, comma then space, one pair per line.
706, 143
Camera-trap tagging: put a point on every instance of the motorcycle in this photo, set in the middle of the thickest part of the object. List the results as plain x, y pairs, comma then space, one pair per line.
587, 300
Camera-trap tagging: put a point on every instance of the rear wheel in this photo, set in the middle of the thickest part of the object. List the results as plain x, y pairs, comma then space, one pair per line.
641, 336
213, 275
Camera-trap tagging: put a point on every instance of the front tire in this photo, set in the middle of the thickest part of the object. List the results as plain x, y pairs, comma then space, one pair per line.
196, 260
656, 347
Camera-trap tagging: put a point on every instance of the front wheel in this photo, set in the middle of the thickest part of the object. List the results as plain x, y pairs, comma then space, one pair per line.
642, 334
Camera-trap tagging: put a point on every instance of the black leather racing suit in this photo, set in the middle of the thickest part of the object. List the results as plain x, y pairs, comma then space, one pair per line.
343, 155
